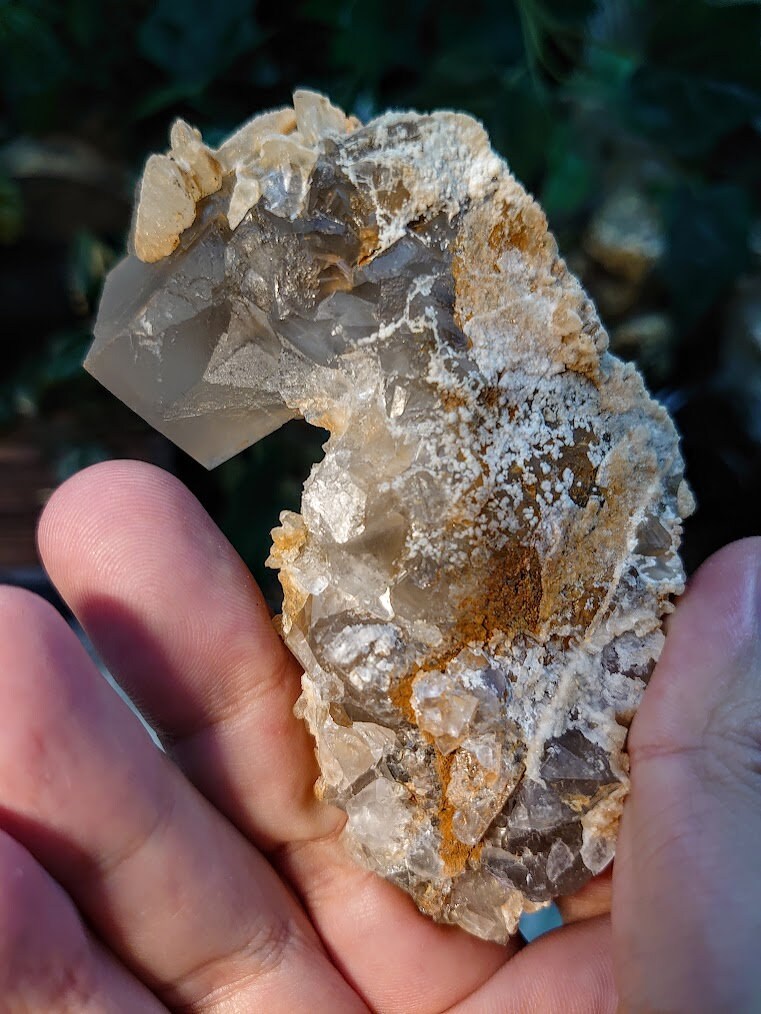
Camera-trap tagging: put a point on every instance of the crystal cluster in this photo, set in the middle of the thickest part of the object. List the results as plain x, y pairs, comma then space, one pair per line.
475, 582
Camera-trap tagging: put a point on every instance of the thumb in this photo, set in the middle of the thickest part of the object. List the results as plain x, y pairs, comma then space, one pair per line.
687, 877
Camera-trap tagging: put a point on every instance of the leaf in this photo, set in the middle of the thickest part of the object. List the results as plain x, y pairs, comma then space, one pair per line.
688, 114
84, 19
522, 128
71, 460
164, 98
719, 43
88, 262
11, 211
33, 57
569, 181
371, 42
194, 40
707, 246
64, 354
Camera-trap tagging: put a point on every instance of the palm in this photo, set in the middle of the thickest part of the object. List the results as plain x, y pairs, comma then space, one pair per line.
217, 882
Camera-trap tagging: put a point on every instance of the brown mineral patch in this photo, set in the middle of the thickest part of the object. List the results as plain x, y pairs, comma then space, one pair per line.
394, 196
339, 716
452, 399
293, 595
490, 398
431, 901
576, 458
587, 608
288, 539
510, 596
625, 717
509, 602
454, 853
576, 580
460, 282
368, 244
522, 231
335, 277
582, 803
505, 236
401, 695
578, 576
485, 278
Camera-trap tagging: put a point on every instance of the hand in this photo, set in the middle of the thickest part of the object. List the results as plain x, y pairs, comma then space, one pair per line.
210, 879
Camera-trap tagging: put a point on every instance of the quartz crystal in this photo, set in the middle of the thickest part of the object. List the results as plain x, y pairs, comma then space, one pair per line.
476, 580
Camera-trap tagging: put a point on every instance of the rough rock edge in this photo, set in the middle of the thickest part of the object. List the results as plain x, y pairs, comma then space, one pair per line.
173, 184
498, 256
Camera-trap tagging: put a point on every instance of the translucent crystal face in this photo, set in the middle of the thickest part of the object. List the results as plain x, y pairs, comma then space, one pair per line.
475, 582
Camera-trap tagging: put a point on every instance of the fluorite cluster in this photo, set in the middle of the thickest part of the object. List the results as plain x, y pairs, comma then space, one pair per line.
475, 583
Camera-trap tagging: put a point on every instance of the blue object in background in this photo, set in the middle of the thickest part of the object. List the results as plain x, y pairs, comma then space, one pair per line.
536, 923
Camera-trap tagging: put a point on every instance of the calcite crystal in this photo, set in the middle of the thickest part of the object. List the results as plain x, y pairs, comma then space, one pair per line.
476, 580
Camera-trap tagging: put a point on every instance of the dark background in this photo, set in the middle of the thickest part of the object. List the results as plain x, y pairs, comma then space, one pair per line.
635, 123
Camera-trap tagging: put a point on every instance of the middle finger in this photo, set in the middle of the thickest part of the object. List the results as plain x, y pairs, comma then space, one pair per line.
179, 621
185, 901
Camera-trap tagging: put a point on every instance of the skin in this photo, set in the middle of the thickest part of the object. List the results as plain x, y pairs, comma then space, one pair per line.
210, 879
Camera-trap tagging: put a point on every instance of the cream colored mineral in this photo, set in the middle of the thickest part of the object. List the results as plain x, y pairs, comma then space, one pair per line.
476, 580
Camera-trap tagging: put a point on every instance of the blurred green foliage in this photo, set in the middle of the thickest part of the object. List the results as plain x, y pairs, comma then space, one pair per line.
581, 96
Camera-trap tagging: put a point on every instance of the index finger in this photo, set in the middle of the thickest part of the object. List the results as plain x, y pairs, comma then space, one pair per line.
179, 621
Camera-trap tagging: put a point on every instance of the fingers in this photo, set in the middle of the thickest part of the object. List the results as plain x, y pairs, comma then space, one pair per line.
592, 900
568, 970
710, 659
180, 622
174, 890
688, 849
398, 960
48, 960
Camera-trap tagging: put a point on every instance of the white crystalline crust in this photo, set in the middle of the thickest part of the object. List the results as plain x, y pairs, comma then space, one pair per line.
174, 183
476, 580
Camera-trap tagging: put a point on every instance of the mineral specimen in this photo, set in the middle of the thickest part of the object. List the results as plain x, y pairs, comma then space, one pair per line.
475, 582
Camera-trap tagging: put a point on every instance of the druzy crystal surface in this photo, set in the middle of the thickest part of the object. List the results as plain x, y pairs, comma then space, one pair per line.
476, 580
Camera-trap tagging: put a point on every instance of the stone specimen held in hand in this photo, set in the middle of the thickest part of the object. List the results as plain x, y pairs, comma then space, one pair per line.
475, 582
